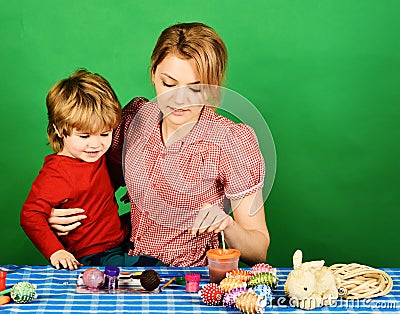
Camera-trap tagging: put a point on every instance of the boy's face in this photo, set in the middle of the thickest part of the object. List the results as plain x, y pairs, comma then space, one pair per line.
86, 146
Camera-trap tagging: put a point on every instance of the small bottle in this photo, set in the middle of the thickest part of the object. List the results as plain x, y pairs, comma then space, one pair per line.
111, 278
192, 282
3, 275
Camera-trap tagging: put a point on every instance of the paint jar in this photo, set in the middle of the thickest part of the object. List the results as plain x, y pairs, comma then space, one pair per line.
221, 261
111, 274
192, 282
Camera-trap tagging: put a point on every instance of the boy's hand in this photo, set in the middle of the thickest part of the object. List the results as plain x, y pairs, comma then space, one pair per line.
64, 259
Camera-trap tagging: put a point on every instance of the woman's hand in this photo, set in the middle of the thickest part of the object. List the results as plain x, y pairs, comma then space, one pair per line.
247, 232
64, 259
64, 220
210, 218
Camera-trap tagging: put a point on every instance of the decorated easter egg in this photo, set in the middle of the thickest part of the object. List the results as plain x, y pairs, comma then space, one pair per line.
150, 279
93, 278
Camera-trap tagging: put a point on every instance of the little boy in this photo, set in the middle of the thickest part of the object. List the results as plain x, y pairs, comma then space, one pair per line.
83, 110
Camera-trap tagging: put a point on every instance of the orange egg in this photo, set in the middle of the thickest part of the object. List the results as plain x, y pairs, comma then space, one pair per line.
4, 299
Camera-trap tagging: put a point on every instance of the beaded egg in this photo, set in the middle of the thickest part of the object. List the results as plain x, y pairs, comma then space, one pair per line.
23, 292
250, 303
230, 297
263, 278
264, 291
262, 268
211, 294
241, 274
229, 283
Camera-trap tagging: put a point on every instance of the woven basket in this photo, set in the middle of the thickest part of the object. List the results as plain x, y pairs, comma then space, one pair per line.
360, 281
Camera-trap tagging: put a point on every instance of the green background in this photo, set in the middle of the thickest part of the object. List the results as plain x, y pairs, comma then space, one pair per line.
324, 74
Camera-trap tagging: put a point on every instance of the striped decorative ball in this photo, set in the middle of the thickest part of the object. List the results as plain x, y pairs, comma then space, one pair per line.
23, 292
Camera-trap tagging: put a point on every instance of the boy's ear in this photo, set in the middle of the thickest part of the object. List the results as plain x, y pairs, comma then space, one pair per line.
55, 129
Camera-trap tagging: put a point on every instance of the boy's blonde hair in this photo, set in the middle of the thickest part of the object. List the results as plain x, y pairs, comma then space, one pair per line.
84, 101
197, 41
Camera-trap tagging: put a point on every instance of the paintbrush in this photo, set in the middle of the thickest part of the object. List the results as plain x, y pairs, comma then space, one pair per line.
167, 283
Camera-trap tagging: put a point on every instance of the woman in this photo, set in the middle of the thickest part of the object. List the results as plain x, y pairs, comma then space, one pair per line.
182, 162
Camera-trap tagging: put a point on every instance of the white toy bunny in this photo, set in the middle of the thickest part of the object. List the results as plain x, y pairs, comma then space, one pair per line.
311, 284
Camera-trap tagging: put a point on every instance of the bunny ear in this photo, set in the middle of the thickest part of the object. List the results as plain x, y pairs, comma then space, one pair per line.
313, 266
297, 259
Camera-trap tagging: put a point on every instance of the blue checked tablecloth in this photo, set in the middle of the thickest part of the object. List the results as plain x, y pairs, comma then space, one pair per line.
56, 294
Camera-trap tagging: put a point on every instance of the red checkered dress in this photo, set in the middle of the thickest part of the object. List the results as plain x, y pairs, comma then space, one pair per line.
218, 160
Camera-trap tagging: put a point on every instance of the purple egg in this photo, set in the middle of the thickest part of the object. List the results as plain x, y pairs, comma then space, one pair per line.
231, 296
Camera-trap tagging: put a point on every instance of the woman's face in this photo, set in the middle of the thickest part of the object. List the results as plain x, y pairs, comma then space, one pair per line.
178, 92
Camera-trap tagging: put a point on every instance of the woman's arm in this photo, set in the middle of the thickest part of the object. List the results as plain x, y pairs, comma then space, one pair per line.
241, 171
247, 232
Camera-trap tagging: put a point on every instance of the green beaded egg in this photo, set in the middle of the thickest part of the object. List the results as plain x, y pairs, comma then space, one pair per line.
263, 278
23, 292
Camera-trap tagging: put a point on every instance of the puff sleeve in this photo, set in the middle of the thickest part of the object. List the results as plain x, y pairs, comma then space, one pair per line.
242, 167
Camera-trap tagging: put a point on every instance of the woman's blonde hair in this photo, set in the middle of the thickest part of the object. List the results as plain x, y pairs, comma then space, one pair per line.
197, 41
84, 101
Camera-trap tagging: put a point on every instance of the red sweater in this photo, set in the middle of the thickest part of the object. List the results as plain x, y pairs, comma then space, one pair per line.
66, 182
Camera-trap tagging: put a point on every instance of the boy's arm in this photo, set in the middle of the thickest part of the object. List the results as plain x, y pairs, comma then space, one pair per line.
48, 189
33, 220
